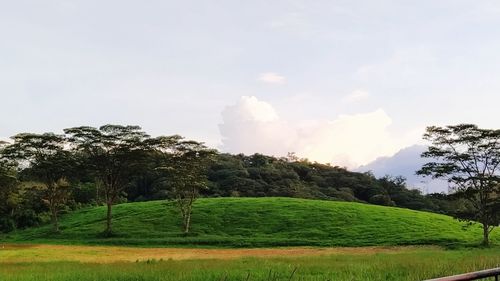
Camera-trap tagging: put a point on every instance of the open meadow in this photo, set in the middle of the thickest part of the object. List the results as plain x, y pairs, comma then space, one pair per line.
49, 262
248, 239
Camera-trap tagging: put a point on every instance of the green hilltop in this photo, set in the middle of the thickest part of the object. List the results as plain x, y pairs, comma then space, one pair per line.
258, 222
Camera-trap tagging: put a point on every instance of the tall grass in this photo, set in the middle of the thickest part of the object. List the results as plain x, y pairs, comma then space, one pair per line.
408, 265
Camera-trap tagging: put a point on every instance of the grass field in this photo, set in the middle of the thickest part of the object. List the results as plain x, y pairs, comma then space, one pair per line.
258, 222
229, 235
57, 263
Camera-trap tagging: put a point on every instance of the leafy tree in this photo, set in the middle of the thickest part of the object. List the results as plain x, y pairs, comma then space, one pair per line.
8, 198
7, 173
29, 205
469, 158
151, 183
113, 154
47, 163
186, 166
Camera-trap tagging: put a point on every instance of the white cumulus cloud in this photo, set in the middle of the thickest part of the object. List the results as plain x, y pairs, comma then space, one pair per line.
253, 126
272, 78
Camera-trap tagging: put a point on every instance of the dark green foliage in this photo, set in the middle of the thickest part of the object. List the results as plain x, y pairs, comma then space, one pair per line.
85, 193
259, 175
113, 154
48, 163
185, 165
20, 206
9, 200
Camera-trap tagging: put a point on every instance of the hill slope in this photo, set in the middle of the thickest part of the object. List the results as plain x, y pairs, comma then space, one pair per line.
258, 222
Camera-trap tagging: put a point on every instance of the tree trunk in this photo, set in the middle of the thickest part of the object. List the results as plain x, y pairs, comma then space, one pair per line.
109, 217
97, 201
486, 234
55, 221
187, 223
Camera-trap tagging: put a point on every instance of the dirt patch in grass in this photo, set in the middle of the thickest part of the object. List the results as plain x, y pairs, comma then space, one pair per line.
102, 254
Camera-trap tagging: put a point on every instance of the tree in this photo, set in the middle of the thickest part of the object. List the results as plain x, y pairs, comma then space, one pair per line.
114, 154
8, 200
7, 173
186, 166
48, 163
469, 158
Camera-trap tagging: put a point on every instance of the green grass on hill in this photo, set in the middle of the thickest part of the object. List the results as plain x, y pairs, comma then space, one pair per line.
258, 222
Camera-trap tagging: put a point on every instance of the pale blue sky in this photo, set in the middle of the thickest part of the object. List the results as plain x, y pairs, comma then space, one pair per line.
176, 66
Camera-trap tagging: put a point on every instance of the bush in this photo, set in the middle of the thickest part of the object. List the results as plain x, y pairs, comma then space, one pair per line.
6, 224
381, 199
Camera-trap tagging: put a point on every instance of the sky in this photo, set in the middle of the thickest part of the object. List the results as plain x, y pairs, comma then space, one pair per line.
341, 82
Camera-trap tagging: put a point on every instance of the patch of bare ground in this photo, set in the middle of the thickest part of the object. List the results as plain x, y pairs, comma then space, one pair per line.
12, 253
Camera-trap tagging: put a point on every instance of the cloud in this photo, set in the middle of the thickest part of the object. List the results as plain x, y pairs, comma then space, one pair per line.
251, 109
356, 96
272, 78
405, 163
253, 126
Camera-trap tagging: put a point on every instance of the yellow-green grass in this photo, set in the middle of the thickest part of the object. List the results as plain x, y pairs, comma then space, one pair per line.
258, 222
36, 253
376, 264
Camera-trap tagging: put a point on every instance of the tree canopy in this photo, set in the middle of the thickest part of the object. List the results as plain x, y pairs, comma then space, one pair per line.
113, 154
469, 158
46, 161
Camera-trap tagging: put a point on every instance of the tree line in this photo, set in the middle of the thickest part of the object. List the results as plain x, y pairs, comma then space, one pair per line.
42, 175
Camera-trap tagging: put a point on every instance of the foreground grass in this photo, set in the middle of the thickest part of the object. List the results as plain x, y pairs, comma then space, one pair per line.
400, 264
258, 222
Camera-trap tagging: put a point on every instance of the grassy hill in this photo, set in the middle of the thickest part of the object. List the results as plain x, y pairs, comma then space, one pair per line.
258, 222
